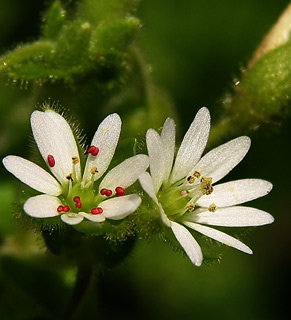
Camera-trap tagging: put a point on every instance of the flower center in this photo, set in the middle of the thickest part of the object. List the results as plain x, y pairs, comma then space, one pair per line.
77, 198
182, 196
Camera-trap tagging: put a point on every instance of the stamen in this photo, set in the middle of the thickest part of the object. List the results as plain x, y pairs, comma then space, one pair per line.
70, 177
190, 206
105, 192
63, 208
78, 202
51, 160
119, 191
94, 170
191, 179
97, 210
93, 150
66, 209
75, 160
206, 185
212, 207
60, 209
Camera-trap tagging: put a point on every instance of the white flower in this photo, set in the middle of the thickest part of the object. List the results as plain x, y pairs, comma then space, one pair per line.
68, 192
184, 191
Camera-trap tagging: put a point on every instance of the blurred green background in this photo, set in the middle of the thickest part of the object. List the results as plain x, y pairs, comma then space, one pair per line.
196, 50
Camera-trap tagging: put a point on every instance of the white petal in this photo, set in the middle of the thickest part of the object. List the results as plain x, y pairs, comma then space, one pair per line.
32, 175
219, 236
120, 207
237, 216
72, 218
54, 137
236, 192
188, 243
146, 182
93, 217
218, 162
156, 157
42, 206
106, 139
192, 146
126, 173
168, 142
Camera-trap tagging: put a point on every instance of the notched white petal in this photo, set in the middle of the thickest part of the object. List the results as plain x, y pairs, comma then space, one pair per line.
219, 236
93, 217
192, 146
156, 157
147, 184
72, 218
32, 175
119, 208
237, 216
188, 243
42, 206
106, 139
236, 192
126, 173
218, 162
54, 137
168, 141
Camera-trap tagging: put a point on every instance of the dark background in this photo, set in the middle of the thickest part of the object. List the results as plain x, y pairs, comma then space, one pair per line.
196, 49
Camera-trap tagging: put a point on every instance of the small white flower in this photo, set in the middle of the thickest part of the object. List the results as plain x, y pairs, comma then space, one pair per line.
68, 192
184, 191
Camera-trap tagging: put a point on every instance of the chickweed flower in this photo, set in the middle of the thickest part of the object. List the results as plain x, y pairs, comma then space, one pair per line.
183, 188
70, 191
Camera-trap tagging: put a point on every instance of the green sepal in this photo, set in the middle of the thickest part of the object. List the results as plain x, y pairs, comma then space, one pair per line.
262, 98
87, 249
99, 11
37, 51
54, 21
71, 52
110, 40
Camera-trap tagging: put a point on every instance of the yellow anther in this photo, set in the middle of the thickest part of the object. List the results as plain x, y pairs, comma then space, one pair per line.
212, 207
94, 170
75, 159
197, 174
70, 177
206, 185
191, 179
190, 206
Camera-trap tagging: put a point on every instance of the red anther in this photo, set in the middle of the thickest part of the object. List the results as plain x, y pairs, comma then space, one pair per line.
103, 191
97, 210
78, 204
60, 209
119, 191
51, 160
108, 193
93, 150
77, 199
66, 209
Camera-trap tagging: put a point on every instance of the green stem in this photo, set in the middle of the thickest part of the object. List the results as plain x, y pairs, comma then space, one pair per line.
83, 280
